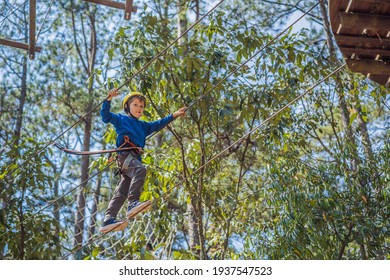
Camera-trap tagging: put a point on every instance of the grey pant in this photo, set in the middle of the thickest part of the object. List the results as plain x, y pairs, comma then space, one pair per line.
130, 185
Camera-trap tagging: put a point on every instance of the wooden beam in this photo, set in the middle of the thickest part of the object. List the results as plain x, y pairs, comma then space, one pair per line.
336, 6
18, 45
128, 9
365, 21
33, 13
380, 79
365, 66
363, 51
375, 1
361, 40
112, 4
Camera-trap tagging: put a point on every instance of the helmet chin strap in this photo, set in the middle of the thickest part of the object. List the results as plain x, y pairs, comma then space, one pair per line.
131, 115
127, 111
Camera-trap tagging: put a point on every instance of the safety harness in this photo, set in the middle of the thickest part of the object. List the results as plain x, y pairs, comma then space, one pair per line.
132, 154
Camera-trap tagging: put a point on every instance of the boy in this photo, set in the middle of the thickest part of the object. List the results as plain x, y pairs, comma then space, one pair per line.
132, 171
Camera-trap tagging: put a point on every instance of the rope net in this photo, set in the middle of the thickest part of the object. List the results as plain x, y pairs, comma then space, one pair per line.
81, 239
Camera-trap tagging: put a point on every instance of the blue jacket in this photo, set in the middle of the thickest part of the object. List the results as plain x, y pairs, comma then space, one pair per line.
136, 130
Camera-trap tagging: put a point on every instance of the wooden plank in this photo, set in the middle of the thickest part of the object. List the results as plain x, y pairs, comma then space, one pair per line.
112, 4
17, 45
363, 51
381, 79
128, 9
33, 12
375, 1
365, 21
361, 40
365, 66
334, 7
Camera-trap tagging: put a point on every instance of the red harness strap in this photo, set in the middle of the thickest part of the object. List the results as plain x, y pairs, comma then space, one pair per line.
135, 149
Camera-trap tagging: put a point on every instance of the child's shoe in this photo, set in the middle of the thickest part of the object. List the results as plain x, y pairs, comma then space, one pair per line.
111, 224
137, 207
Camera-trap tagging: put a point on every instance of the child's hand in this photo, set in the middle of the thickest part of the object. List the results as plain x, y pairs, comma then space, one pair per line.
181, 112
112, 93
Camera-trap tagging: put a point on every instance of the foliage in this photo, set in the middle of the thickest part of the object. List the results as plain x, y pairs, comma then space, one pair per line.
27, 232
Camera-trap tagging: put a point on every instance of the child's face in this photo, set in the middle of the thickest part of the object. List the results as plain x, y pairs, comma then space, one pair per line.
137, 107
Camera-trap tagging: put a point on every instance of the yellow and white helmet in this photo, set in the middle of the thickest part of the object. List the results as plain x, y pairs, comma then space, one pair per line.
130, 96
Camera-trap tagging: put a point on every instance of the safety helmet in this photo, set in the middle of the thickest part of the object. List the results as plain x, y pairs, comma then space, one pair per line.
130, 96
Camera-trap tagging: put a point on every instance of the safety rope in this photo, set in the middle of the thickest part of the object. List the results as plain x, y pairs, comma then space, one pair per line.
121, 148
97, 152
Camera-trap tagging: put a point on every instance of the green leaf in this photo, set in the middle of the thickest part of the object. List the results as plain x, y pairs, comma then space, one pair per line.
121, 32
352, 118
95, 252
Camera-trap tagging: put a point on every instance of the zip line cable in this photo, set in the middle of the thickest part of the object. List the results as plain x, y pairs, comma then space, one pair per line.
52, 142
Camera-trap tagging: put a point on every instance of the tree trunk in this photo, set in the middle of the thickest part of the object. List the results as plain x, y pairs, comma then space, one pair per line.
350, 141
22, 100
197, 9
56, 206
80, 214
350, 138
17, 133
366, 141
22, 226
94, 210
363, 253
182, 22
193, 233
192, 207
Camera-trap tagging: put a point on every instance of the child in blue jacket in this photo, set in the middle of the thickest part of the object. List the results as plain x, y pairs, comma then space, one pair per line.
132, 170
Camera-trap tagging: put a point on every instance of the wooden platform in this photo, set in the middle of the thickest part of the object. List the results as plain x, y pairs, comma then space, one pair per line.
362, 32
